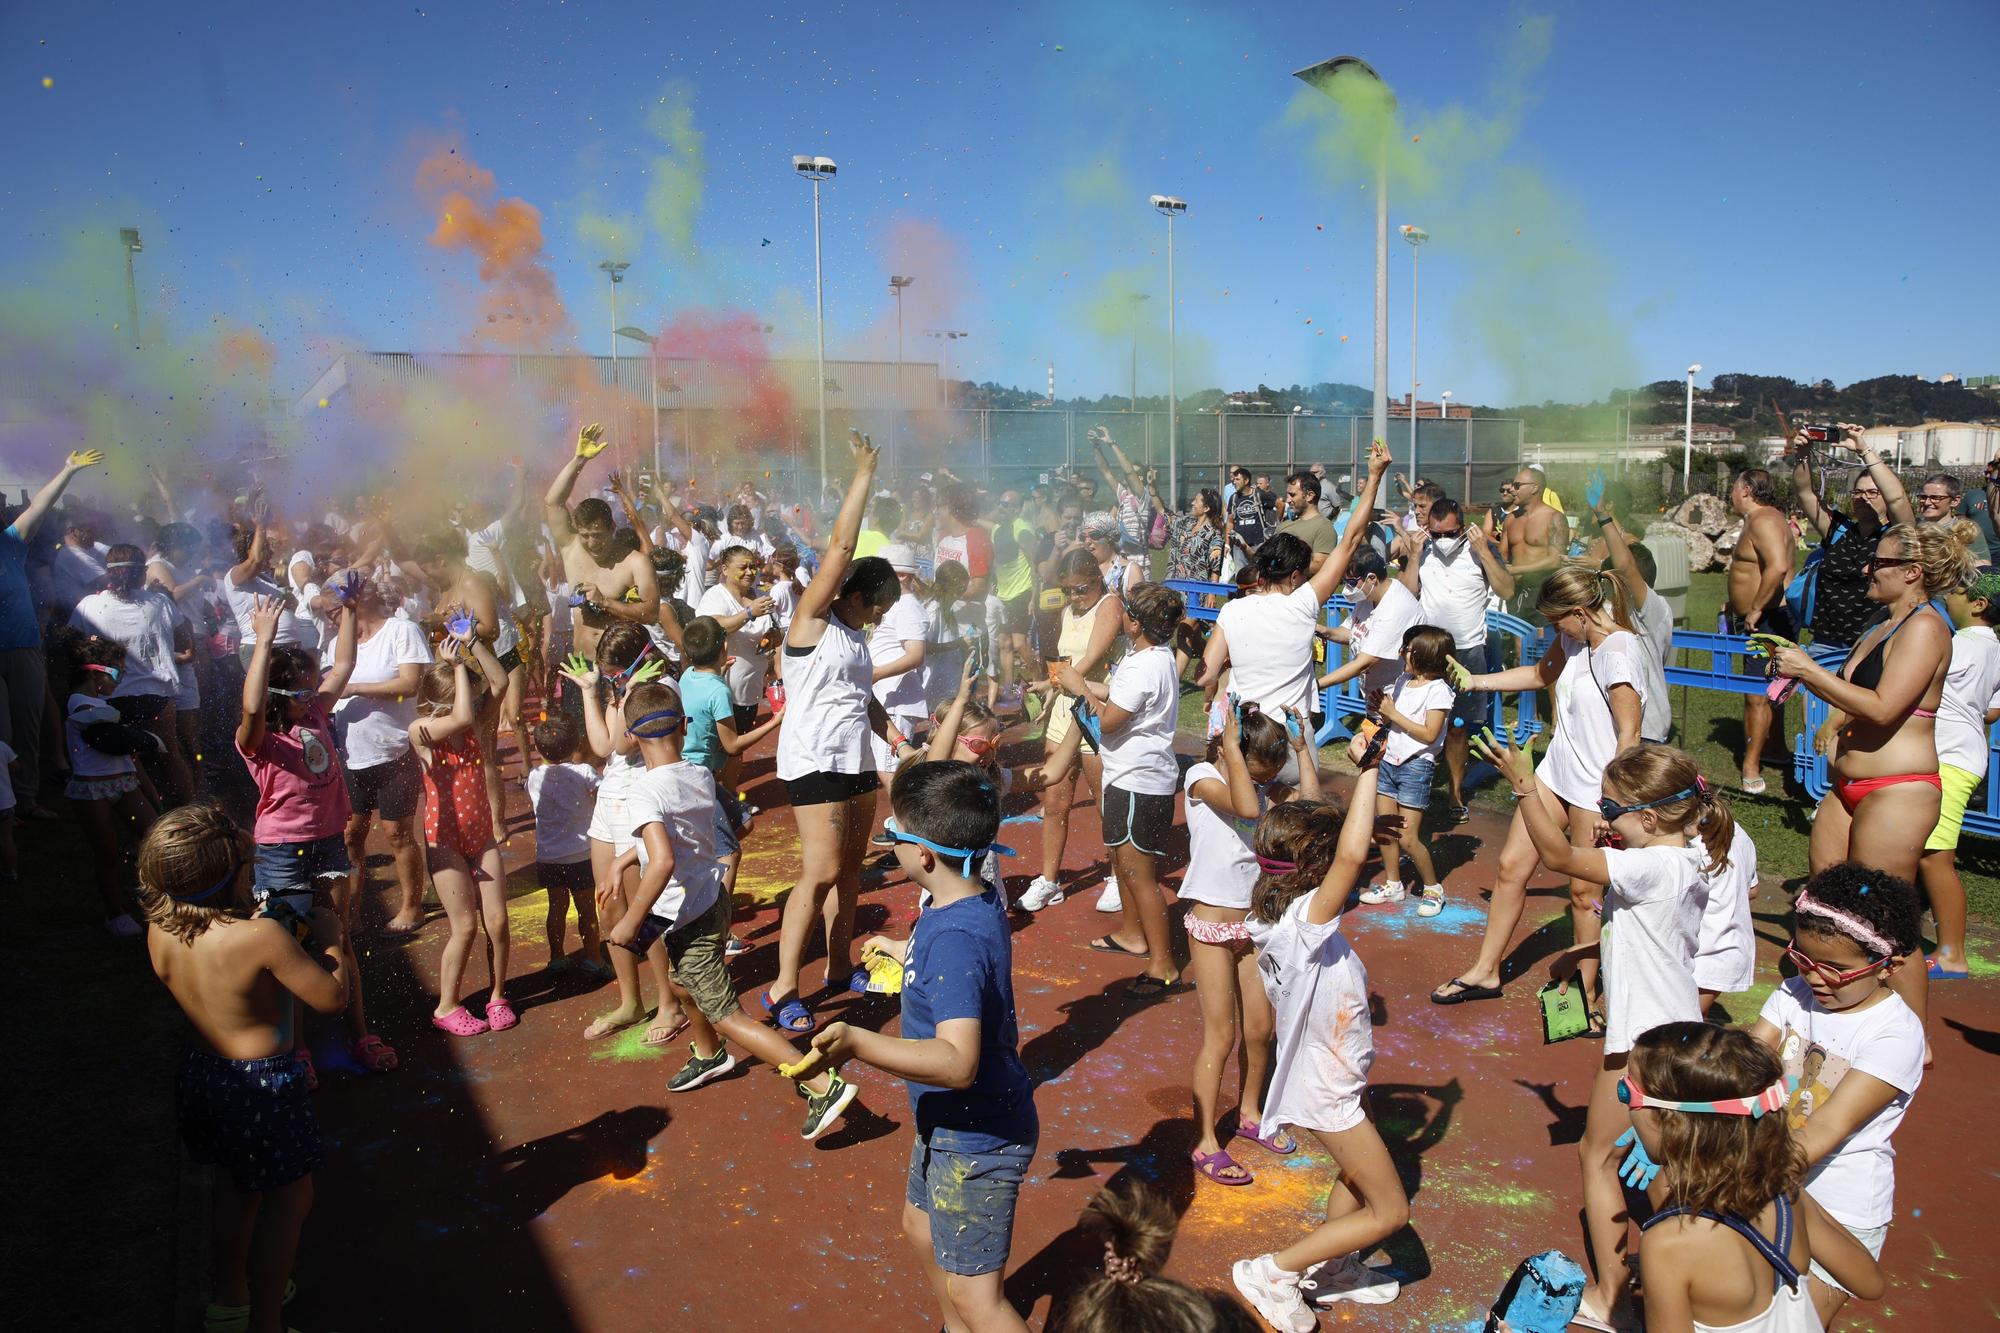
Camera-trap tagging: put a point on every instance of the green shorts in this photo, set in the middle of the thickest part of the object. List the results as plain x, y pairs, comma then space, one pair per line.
1958, 784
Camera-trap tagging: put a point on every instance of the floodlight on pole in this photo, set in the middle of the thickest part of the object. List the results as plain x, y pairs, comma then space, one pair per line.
1444, 410
946, 337
639, 335
1319, 76
1416, 236
817, 169
897, 282
128, 237
1687, 444
1168, 207
615, 270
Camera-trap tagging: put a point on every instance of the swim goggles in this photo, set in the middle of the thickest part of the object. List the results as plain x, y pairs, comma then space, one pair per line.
967, 854
1770, 1099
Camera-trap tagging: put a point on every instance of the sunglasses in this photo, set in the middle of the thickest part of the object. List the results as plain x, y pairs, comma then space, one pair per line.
1081, 589
1832, 976
1769, 1100
1875, 562
1611, 810
293, 694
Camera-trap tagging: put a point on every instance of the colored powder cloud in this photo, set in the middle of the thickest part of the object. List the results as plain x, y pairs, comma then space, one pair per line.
519, 306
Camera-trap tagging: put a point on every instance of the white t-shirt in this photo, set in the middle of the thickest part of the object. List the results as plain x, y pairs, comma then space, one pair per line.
1655, 621
1139, 756
1222, 849
944, 656
1319, 992
1453, 590
607, 818
84, 762
1970, 688
1585, 737
313, 628
243, 604
485, 551
563, 797
1856, 1182
695, 546
756, 542
901, 696
785, 600
681, 798
1415, 699
1725, 957
1270, 638
1377, 629
827, 691
76, 573
377, 731
145, 626
748, 665
1652, 921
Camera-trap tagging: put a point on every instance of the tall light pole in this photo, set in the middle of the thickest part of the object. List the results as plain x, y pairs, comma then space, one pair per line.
129, 238
1167, 206
1416, 236
1444, 410
946, 337
896, 284
1319, 76
817, 169
1137, 299
639, 335
1687, 444
615, 269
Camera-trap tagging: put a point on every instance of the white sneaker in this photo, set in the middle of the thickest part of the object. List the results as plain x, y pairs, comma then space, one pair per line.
1348, 1279
1109, 901
124, 926
1391, 892
1044, 892
1430, 902
1274, 1294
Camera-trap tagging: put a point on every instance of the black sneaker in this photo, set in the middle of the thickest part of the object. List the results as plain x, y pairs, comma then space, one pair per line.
822, 1109
1460, 813
698, 1071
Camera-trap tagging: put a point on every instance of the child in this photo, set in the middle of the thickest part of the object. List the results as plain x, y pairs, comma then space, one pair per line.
463, 855
243, 1103
1674, 832
624, 659
1223, 807
1137, 1227
1416, 709
679, 903
1706, 1105
712, 740
1138, 707
1854, 1047
563, 791
1318, 989
103, 779
970, 1095
1725, 956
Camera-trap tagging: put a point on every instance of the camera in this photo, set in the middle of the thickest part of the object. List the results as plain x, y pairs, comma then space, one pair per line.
1821, 434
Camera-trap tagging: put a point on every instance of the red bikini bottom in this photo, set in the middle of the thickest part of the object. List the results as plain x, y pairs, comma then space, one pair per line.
1853, 791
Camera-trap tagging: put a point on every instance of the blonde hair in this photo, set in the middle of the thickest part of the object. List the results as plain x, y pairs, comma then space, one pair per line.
1940, 550
187, 867
1582, 587
1647, 773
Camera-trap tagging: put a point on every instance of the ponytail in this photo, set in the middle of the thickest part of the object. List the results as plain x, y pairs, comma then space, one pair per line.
1681, 799
1716, 823
1612, 589
1136, 1225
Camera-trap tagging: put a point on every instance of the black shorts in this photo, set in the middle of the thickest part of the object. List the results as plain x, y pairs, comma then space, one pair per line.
826, 788
1776, 620
141, 708
392, 790
743, 716
1017, 614
510, 661
574, 876
1137, 818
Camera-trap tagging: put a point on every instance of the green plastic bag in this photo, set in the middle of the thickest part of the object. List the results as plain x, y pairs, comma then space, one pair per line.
1564, 1015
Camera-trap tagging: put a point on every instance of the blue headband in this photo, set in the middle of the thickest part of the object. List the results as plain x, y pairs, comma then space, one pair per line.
654, 716
219, 885
968, 854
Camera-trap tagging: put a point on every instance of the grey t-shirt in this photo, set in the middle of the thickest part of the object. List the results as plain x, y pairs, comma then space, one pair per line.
1655, 623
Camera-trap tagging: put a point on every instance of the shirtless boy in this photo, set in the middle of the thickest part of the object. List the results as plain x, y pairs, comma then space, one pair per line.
1759, 569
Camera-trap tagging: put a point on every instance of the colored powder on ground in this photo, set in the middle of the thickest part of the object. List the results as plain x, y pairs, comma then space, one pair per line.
1398, 922
627, 1046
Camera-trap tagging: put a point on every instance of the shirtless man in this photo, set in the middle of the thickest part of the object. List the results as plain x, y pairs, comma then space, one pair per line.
1534, 541
1758, 572
624, 589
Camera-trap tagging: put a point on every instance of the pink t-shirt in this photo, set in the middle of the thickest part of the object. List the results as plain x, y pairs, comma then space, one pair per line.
301, 792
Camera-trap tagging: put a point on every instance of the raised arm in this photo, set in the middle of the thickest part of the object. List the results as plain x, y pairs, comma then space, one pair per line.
334, 682
247, 568
816, 602
1497, 573
257, 676
1893, 494
670, 512
45, 499
1334, 568
1808, 494
590, 443
1618, 547
1356, 833
623, 487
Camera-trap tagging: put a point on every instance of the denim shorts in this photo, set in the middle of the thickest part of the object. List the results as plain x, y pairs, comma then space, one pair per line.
289, 872
1408, 782
969, 1197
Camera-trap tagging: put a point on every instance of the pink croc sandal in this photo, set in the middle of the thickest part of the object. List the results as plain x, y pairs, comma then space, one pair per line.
306, 1067
460, 1022
375, 1055
500, 1015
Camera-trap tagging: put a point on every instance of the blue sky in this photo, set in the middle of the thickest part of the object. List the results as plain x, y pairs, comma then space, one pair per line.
1783, 188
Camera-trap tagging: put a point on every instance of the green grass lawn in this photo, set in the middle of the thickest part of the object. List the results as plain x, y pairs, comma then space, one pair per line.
1708, 724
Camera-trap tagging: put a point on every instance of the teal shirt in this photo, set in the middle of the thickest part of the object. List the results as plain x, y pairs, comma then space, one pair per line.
705, 699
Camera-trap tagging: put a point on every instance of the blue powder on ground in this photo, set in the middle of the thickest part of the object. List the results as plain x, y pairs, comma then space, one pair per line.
1401, 919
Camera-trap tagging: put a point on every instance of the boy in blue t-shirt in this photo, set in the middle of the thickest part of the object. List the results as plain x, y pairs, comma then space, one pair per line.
970, 1095
712, 741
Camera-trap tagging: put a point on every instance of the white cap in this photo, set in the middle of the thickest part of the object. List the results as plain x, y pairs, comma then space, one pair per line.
900, 556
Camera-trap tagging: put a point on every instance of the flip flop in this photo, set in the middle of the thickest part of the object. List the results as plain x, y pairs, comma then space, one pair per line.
1937, 973
1106, 944
654, 1037
792, 1015
1249, 1129
606, 1025
1152, 988
1466, 991
1214, 1164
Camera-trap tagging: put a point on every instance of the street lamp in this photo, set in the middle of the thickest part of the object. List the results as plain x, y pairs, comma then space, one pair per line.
947, 337
639, 335
1168, 206
1320, 76
896, 284
1416, 236
129, 238
1687, 444
615, 269
817, 169
1444, 410
1137, 299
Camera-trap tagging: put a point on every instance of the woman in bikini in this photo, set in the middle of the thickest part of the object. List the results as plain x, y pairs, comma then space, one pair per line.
1882, 734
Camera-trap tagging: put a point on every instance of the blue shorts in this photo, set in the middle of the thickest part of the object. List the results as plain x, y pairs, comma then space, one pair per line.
1409, 782
285, 875
254, 1117
969, 1197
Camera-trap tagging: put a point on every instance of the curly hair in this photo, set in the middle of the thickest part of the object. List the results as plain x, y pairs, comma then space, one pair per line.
1304, 833
1158, 610
1728, 1164
1889, 904
1940, 552
1647, 773
187, 853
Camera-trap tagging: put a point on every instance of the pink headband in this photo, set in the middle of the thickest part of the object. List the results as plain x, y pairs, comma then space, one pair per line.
1808, 905
1276, 866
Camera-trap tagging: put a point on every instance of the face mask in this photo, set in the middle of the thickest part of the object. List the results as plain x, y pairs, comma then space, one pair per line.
1449, 547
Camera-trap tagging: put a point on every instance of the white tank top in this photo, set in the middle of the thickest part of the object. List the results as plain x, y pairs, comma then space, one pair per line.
827, 692
1222, 856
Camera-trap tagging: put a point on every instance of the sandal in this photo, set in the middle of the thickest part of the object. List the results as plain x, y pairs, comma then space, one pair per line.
306, 1067
1150, 987
500, 1015
656, 1036
1281, 1142
791, 1016
375, 1055
1936, 972
1466, 991
460, 1022
605, 1025
1215, 1163
1107, 944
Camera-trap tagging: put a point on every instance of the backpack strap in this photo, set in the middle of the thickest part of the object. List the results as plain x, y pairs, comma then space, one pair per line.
1776, 1253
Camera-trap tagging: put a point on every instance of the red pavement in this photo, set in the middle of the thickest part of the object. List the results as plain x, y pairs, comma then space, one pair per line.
533, 1180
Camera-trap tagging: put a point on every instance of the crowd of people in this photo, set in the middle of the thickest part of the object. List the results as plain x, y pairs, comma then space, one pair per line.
230, 697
